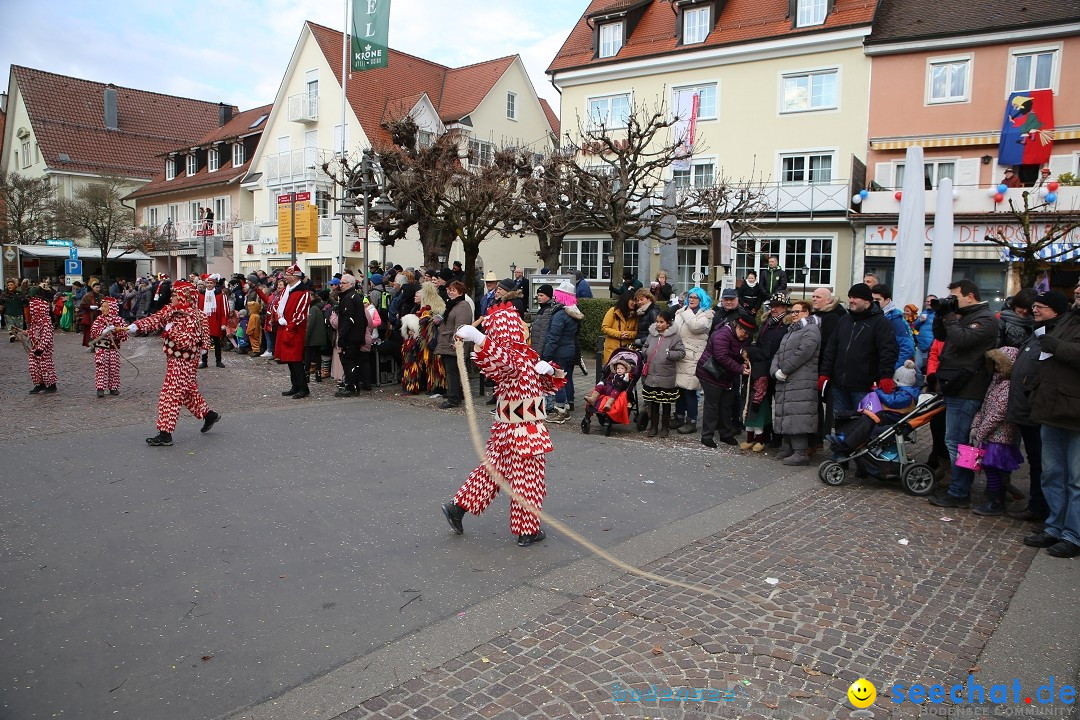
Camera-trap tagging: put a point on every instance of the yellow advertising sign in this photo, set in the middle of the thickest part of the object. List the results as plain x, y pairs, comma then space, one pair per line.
307, 224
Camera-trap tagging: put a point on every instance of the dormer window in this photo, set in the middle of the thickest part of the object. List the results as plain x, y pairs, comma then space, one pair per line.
170, 169
192, 164
696, 25
810, 12
238, 158
213, 160
611, 39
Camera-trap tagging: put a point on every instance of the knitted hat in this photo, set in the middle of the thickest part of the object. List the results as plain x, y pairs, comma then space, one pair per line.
376, 279
446, 274
503, 324
184, 292
545, 289
506, 284
906, 374
861, 291
1055, 300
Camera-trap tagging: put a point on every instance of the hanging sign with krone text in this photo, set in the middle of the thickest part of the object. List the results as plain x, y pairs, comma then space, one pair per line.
370, 32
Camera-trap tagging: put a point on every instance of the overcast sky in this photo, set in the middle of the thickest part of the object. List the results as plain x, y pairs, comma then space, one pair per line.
237, 50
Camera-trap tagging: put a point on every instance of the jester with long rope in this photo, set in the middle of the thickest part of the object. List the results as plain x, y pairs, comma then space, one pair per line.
518, 443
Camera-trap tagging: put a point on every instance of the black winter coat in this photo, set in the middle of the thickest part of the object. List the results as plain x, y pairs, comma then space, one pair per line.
829, 318
1024, 377
352, 321
1056, 400
861, 351
968, 334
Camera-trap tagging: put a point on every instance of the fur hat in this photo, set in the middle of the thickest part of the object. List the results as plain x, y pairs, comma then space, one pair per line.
906, 374
410, 326
1000, 360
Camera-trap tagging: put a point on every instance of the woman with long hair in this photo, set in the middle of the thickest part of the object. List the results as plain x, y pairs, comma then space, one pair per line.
620, 324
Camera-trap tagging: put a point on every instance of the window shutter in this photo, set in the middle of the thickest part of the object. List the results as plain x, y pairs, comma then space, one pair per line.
883, 174
793, 14
680, 19
967, 173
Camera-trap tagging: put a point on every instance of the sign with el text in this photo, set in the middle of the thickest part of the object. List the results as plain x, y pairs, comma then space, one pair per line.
307, 223
370, 32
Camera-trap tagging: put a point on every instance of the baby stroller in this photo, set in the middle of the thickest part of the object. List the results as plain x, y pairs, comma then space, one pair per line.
617, 402
882, 450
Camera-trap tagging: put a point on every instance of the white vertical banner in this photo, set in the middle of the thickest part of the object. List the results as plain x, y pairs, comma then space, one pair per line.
908, 272
941, 256
685, 129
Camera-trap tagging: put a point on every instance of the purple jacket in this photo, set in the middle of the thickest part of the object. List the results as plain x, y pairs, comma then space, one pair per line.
724, 347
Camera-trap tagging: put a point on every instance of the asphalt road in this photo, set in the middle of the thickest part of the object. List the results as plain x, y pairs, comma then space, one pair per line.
190, 581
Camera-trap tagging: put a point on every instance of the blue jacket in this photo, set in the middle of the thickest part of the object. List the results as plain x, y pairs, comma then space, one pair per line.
583, 290
924, 325
902, 330
901, 399
561, 340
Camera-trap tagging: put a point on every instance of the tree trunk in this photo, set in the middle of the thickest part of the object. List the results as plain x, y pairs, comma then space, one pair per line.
550, 252
618, 241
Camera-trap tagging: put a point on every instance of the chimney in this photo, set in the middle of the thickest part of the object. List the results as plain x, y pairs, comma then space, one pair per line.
224, 114
3, 102
110, 108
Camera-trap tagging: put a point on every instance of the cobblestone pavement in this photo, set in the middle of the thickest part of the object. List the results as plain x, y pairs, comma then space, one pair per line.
859, 581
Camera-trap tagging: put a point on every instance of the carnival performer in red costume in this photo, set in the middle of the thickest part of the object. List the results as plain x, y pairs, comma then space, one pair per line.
184, 339
40, 336
292, 312
106, 334
518, 444
212, 302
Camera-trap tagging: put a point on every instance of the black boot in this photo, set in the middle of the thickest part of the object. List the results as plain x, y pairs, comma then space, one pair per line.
37, 389
49, 389
290, 391
665, 422
162, 439
531, 539
654, 419
995, 504
454, 513
208, 421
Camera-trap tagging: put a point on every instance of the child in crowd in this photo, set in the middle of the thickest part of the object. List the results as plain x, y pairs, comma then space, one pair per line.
242, 343
663, 348
254, 323
614, 384
998, 439
108, 331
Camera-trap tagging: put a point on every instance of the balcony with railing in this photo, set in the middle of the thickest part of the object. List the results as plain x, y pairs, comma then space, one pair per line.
304, 107
780, 200
296, 166
972, 200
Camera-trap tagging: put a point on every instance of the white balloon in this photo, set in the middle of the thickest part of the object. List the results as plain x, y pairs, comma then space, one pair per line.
1044, 191
955, 194
992, 191
856, 199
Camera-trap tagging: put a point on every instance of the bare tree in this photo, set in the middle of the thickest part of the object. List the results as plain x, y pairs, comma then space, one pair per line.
29, 216
546, 205
97, 214
1037, 241
619, 180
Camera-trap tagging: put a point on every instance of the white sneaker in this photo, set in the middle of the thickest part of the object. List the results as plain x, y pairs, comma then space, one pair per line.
434, 396
267, 354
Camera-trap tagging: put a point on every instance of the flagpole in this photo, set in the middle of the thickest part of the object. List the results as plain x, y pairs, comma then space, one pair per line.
344, 127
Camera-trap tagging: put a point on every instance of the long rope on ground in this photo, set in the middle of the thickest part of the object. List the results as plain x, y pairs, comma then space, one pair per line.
566, 530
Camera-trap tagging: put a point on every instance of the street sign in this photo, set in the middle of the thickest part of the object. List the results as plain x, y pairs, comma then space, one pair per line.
73, 267
73, 252
306, 223
9, 255
55, 242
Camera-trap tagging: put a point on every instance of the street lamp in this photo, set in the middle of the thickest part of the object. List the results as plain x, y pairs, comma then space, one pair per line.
442, 260
805, 271
513, 269
371, 179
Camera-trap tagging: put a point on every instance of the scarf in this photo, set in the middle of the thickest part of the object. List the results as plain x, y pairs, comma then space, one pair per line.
280, 309
209, 302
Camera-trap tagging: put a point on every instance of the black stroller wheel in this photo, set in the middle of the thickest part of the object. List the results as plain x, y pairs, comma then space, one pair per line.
832, 473
585, 424
918, 479
607, 428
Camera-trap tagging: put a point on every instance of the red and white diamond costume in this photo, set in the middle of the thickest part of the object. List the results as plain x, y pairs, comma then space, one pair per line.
185, 338
42, 370
107, 356
519, 441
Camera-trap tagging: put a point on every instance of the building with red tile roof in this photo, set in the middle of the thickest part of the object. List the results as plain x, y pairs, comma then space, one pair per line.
489, 104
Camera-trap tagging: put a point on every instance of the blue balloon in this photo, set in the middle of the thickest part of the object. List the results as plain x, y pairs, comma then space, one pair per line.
1051, 197
1003, 188
864, 194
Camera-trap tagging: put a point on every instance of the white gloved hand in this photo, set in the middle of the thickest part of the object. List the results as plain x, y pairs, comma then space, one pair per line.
133, 328
224, 327
779, 374
94, 307
107, 331
544, 368
168, 326
282, 321
468, 333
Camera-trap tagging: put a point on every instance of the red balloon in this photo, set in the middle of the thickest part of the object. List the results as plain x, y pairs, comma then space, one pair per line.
998, 197
898, 194
1052, 186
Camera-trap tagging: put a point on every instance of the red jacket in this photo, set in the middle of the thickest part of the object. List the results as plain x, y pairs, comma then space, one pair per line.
289, 340
217, 318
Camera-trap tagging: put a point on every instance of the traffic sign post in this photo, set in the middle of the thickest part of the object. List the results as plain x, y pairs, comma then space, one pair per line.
73, 267
73, 252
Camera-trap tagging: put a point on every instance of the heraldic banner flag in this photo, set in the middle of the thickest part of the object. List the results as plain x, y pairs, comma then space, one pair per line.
1027, 134
370, 32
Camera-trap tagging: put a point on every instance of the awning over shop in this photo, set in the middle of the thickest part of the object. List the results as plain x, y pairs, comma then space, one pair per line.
993, 138
85, 253
1054, 252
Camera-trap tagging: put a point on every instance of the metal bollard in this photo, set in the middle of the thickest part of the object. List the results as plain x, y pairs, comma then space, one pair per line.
600, 357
